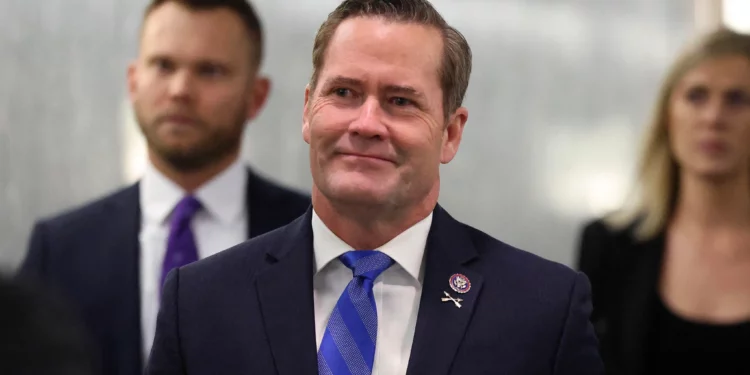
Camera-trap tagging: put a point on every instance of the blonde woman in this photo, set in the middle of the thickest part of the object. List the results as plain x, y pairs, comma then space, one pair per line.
671, 273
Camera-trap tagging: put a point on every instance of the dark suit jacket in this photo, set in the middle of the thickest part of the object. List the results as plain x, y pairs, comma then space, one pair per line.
39, 333
249, 310
624, 276
91, 256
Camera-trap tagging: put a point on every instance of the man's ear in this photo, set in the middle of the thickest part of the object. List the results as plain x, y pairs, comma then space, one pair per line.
261, 87
132, 78
306, 115
452, 134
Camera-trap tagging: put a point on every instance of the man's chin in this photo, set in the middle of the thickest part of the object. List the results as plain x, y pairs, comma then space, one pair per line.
359, 195
180, 145
183, 159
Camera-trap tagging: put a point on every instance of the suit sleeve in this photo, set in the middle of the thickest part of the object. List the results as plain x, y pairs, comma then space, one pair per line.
578, 351
34, 263
166, 356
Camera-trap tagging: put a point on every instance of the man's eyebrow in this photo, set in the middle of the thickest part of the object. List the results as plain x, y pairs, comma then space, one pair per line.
342, 81
404, 90
157, 57
392, 89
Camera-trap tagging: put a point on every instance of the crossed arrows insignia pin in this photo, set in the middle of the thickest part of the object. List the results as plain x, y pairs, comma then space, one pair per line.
448, 297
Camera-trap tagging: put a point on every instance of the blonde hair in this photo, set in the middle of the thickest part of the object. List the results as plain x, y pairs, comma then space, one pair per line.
653, 202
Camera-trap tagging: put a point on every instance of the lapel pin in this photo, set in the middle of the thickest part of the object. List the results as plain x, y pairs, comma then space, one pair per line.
456, 301
460, 283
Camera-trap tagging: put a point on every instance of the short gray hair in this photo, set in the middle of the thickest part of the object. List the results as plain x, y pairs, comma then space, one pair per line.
455, 68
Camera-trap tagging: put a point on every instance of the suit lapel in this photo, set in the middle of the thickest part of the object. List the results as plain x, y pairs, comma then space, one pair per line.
639, 300
262, 207
441, 325
123, 248
285, 291
254, 213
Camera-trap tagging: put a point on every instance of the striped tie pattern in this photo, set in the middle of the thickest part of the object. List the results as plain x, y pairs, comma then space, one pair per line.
348, 346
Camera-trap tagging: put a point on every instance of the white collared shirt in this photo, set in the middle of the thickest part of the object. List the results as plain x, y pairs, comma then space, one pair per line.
397, 290
219, 225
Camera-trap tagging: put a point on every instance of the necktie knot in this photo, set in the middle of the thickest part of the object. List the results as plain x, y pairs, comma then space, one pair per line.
185, 209
366, 263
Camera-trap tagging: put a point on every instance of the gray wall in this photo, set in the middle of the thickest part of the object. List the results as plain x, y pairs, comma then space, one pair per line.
559, 93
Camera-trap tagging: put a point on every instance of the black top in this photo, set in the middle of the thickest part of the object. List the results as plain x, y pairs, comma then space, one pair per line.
679, 344
633, 328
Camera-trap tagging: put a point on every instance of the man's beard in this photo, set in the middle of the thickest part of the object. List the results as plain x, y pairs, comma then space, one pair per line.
215, 143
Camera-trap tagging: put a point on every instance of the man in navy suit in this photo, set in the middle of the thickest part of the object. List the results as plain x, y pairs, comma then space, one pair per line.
377, 278
194, 86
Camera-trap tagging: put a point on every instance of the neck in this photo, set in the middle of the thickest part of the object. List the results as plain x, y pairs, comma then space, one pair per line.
192, 180
369, 228
711, 203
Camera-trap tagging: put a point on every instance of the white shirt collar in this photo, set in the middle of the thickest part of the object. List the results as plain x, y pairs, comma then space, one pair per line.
406, 249
223, 197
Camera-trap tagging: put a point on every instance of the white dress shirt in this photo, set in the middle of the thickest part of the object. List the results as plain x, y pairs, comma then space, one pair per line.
219, 225
397, 290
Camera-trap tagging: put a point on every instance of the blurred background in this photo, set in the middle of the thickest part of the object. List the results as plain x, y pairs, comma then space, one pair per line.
560, 92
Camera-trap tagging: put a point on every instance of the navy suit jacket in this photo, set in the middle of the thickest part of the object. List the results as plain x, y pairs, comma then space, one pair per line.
91, 256
249, 310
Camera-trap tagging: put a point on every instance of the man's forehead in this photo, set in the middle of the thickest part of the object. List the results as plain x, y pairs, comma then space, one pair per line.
421, 78
374, 31
375, 41
175, 23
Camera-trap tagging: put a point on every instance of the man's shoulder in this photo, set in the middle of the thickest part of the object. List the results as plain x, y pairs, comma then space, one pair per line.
276, 191
92, 211
73, 234
508, 261
248, 257
542, 288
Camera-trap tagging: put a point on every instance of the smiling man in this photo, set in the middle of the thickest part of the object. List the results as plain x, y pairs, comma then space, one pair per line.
377, 278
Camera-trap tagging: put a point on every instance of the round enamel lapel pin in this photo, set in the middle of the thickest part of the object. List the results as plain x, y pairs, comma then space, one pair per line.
459, 283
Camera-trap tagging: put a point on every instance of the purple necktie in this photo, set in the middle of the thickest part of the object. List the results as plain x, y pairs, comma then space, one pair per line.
181, 249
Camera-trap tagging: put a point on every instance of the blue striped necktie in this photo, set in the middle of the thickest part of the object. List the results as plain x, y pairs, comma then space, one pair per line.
348, 346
